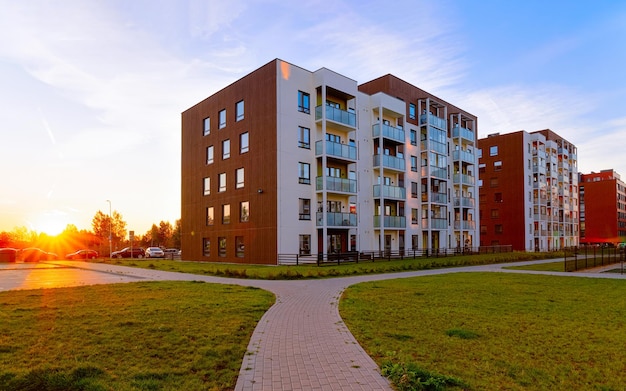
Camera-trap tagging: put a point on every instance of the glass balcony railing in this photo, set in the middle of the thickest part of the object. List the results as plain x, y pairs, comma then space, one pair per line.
439, 198
394, 192
390, 162
336, 219
339, 150
461, 224
435, 223
396, 134
463, 156
390, 221
464, 202
463, 179
463, 132
434, 121
430, 145
334, 114
437, 172
336, 184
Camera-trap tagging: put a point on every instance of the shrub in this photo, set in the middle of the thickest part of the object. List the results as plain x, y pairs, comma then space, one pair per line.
410, 377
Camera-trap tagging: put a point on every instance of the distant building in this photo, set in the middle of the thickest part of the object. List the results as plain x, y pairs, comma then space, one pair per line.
528, 191
602, 208
286, 162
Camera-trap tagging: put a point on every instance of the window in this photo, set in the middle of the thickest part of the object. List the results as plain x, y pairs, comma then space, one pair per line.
495, 213
482, 168
226, 214
239, 247
413, 137
498, 228
239, 110
304, 102
222, 118
225, 149
206, 247
244, 142
209, 154
413, 189
497, 197
207, 126
480, 153
493, 182
304, 137
244, 211
497, 166
483, 230
221, 251
335, 138
411, 110
304, 173
493, 150
209, 216
304, 208
239, 176
305, 244
413, 216
414, 163
207, 186
222, 182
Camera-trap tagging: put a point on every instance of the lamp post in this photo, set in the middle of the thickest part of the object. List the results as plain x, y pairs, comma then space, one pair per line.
110, 229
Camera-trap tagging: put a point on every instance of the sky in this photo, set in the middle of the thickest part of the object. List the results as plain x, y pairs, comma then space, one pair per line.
91, 92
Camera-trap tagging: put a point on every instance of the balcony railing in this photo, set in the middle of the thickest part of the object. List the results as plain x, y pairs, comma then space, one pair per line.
434, 121
435, 223
339, 150
463, 156
464, 202
337, 219
463, 132
430, 145
394, 192
437, 172
464, 224
390, 162
396, 134
336, 184
463, 179
390, 221
337, 115
439, 198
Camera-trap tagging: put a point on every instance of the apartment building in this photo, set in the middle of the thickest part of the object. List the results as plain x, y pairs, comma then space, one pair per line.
286, 161
528, 191
602, 208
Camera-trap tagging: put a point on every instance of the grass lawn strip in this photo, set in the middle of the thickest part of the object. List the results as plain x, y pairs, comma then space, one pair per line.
496, 331
135, 336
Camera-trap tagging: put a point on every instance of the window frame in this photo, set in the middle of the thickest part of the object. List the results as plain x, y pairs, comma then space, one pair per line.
239, 181
207, 126
226, 149
304, 133
244, 206
493, 150
221, 182
222, 119
226, 214
210, 216
210, 154
206, 247
304, 102
304, 173
239, 115
244, 142
304, 206
206, 185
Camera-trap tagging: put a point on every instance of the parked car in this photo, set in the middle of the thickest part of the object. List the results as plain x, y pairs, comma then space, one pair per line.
33, 254
172, 253
83, 254
8, 254
154, 252
137, 252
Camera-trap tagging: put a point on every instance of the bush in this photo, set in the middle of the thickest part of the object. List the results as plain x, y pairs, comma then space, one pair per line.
410, 377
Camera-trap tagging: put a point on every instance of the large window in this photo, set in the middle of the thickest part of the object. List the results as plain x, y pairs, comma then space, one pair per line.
411, 110
209, 154
226, 214
304, 137
414, 163
305, 244
221, 251
206, 247
207, 186
413, 134
244, 211
304, 209
304, 173
239, 175
497, 166
209, 216
222, 182
304, 102
414, 190
493, 150
244, 142
414, 216
222, 118
239, 247
225, 149
207, 126
239, 110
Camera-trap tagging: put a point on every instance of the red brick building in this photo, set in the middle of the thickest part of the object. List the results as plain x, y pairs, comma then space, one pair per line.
602, 208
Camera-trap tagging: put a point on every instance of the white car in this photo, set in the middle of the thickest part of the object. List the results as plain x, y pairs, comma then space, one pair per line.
154, 252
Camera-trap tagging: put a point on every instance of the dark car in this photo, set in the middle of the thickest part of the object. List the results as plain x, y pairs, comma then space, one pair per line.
33, 254
137, 252
171, 253
8, 254
83, 254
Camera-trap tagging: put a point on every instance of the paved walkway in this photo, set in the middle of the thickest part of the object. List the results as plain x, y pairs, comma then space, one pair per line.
301, 343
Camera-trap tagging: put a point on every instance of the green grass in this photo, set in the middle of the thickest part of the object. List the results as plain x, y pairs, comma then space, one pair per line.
494, 331
134, 336
544, 267
314, 271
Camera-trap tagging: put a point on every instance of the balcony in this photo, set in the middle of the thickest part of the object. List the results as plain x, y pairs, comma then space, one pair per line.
463, 156
464, 133
337, 115
390, 221
435, 223
436, 172
440, 198
390, 192
336, 219
465, 202
395, 134
342, 151
434, 121
464, 224
463, 179
391, 162
430, 145
334, 184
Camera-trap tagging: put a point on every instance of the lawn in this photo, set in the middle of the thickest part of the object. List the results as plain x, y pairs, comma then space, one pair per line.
329, 270
491, 331
135, 336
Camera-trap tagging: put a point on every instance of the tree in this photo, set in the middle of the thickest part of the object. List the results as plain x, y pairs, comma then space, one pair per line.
176, 234
165, 233
100, 225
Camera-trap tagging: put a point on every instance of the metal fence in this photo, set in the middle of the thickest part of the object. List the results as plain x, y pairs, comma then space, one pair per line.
587, 257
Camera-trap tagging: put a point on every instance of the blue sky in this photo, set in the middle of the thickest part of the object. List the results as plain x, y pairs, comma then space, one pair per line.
92, 91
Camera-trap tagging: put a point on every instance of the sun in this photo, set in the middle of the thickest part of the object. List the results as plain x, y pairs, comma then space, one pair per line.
51, 226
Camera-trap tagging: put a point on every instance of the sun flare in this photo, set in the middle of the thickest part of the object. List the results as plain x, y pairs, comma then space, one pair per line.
50, 226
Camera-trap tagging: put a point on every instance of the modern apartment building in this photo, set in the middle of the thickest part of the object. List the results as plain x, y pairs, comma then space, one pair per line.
602, 208
528, 191
286, 161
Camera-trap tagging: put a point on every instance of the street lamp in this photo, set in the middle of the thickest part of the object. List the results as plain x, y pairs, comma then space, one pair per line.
110, 233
